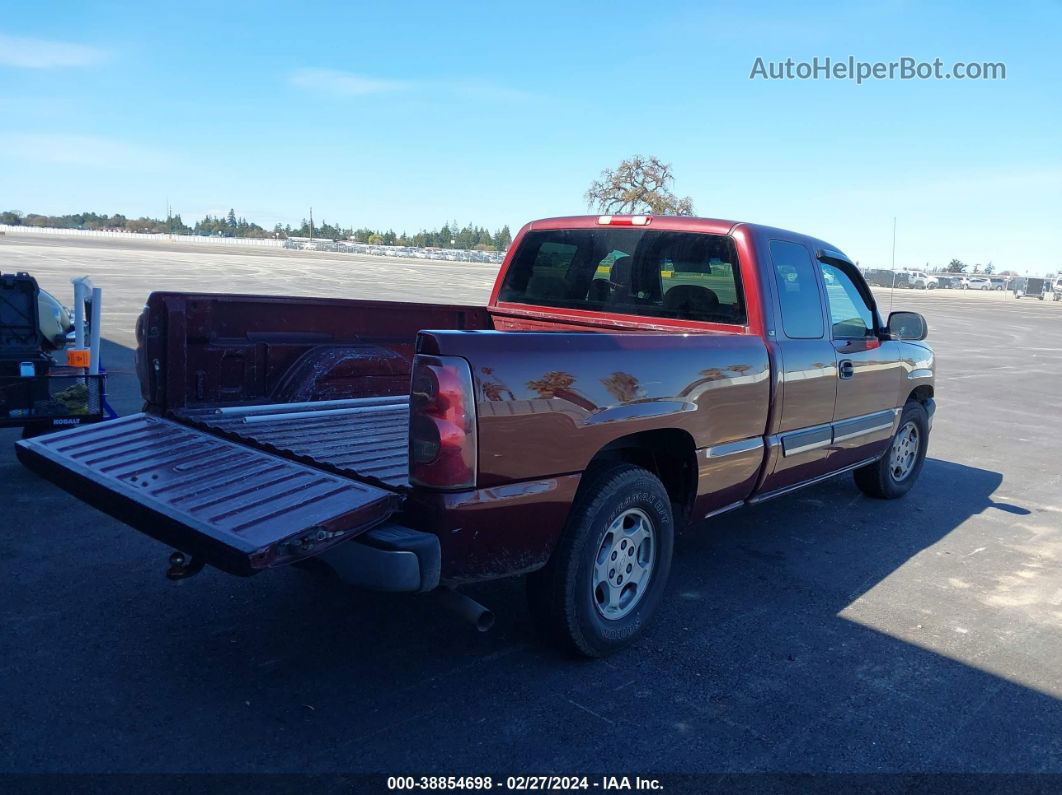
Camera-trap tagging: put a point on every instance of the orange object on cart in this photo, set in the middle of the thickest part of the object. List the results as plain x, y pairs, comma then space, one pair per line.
79, 357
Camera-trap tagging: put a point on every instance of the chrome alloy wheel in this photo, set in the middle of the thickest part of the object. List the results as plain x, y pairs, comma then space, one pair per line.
904, 452
624, 564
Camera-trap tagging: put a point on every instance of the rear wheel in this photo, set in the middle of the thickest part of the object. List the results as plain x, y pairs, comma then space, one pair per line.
894, 474
607, 575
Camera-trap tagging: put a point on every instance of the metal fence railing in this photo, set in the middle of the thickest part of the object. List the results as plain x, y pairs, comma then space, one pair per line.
339, 247
410, 252
115, 235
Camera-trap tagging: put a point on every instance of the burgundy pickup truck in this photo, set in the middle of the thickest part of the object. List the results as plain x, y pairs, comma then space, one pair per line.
630, 375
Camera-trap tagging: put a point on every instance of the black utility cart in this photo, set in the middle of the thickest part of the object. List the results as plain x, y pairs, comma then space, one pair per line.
36, 392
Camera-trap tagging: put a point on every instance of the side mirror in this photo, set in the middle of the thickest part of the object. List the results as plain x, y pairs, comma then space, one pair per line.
907, 326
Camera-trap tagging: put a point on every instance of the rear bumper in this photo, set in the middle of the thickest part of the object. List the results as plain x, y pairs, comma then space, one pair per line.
389, 558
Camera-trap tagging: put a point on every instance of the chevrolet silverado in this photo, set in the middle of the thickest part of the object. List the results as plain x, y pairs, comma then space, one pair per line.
628, 376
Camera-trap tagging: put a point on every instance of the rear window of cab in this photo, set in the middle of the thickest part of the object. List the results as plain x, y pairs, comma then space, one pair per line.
651, 273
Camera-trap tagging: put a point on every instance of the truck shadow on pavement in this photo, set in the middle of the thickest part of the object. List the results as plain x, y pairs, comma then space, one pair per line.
814, 632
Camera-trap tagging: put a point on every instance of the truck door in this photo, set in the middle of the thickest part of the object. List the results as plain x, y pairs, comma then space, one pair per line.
869, 372
801, 432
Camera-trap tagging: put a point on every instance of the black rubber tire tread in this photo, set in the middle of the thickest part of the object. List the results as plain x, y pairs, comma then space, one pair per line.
559, 596
876, 480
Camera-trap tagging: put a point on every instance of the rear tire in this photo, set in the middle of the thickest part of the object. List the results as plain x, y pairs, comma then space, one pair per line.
894, 474
606, 577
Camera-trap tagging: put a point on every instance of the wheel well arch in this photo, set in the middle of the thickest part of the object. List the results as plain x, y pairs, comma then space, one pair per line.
921, 393
669, 453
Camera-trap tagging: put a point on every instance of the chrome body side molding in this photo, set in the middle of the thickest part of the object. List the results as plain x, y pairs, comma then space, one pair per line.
732, 448
868, 423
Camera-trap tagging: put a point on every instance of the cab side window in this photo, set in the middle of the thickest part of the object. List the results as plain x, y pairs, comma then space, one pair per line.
850, 313
798, 290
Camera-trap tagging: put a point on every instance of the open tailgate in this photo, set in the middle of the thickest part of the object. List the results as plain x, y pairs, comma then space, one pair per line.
240, 509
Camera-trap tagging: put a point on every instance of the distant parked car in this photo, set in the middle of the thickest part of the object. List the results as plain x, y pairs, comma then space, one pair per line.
998, 283
976, 283
917, 279
948, 282
1055, 288
883, 277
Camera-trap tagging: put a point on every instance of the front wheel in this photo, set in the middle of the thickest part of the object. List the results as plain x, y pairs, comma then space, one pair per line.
606, 577
894, 474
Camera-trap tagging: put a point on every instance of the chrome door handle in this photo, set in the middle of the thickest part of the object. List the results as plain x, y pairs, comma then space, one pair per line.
845, 369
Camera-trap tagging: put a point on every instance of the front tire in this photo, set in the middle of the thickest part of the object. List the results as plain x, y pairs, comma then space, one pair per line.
894, 474
606, 577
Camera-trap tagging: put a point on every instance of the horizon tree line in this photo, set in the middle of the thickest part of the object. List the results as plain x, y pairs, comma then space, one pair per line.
450, 235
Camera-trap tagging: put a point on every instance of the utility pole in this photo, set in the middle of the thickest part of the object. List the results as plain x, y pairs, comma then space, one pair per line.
892, 293
894, 242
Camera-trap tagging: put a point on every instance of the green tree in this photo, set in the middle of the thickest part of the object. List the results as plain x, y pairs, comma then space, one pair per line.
503, 238
956, 266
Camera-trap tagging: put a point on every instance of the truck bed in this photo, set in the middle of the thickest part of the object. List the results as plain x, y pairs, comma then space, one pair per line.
363, 438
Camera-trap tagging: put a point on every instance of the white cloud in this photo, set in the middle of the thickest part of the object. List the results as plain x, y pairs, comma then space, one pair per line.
485, 90
344, 84
29, 53
348, 84
82, 150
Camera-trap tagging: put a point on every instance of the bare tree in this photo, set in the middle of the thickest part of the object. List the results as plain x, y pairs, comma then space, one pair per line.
623, 386
639, 185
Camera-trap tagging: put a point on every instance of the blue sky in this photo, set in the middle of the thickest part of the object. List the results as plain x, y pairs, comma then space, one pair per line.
406, 115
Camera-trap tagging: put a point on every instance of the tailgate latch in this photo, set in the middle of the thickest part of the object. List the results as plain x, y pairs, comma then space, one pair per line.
182, 566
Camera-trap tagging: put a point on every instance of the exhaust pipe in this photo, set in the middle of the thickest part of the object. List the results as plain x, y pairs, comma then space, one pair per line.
469, 609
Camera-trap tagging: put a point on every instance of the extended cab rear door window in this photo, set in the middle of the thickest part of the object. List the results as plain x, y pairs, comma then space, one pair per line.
798, 290
850, 313
653, 273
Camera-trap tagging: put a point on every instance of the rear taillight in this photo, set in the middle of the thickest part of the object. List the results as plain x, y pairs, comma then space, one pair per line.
140, 357
442, 423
